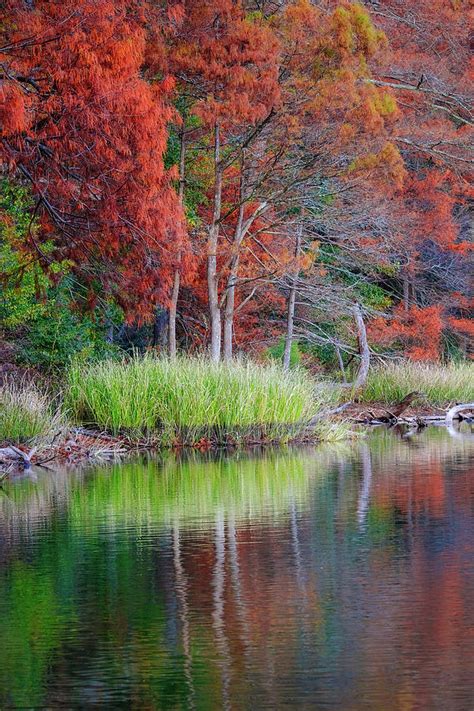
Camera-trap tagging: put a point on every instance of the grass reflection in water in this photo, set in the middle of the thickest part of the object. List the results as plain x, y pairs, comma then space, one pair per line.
326, 576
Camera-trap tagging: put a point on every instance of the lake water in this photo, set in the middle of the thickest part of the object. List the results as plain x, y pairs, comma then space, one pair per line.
338, 577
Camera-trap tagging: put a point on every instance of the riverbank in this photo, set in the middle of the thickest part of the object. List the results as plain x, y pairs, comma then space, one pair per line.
107, 409
112, 407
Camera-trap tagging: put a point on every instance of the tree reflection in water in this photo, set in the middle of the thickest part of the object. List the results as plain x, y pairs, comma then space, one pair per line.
336, 577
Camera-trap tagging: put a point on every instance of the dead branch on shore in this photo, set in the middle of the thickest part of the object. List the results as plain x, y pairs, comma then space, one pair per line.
394, 415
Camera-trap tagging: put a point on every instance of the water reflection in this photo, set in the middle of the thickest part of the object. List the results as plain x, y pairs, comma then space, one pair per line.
329, 578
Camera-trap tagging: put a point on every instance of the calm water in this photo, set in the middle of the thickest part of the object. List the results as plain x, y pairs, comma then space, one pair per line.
331, 578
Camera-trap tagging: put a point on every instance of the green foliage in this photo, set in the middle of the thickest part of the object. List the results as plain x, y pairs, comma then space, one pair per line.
62, 333
441, 384
324, 353
37, 307
276, 352
21, 279
373, 296
189, 398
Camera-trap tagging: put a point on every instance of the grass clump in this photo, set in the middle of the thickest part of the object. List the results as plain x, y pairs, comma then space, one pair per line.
441, 384
25, 413
190, 398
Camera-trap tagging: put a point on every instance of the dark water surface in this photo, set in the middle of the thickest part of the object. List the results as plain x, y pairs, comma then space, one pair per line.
339, 577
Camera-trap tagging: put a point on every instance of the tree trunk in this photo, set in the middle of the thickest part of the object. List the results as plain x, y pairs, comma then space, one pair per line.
233, 272
212, 277
363, 348
177, 275
290, 319
341, 363
172, 315
229, 309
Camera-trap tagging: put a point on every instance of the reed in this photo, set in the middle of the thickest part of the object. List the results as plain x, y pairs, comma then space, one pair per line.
26, 413
440, 384
191, 398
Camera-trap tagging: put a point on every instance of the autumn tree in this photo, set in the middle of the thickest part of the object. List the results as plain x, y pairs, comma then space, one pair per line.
225, 61
317, 131
84, 129
330, 131
428, 68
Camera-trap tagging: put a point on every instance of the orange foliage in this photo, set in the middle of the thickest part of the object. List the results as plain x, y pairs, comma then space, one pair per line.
462, 325
417, 329
227, 59
92, 147
305, 95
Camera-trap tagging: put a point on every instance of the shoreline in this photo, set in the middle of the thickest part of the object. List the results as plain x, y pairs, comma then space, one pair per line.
80, 446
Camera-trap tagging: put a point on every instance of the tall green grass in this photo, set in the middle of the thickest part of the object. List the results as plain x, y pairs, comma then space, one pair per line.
188, 398
26, 413
441, 384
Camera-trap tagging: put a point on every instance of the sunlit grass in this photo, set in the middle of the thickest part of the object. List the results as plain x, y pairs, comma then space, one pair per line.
25, 413
188, 398
441, 384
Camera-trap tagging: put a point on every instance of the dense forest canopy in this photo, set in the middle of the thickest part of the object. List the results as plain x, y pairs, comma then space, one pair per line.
219, 173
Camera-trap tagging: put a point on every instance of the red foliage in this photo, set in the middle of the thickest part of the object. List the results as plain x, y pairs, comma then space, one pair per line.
304, 97
462, 325
225, 60
418, 330
89, 135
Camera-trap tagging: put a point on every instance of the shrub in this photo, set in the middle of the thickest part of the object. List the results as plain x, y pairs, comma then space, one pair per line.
37, 306
276, 352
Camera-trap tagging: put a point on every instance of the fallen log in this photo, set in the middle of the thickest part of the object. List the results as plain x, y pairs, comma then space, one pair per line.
456, 410
404, 404
326, 413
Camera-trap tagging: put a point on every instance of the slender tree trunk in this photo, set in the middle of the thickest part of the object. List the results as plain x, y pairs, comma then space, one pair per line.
177, 275
363, 348
212, 277
406, 293
172, 314
290, 319
229, 309
341, 363
233, 272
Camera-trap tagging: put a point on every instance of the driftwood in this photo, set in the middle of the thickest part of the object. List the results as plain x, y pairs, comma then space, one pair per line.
13, 454
77, 446
326, 413
396, 411
456, 410
395, 416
